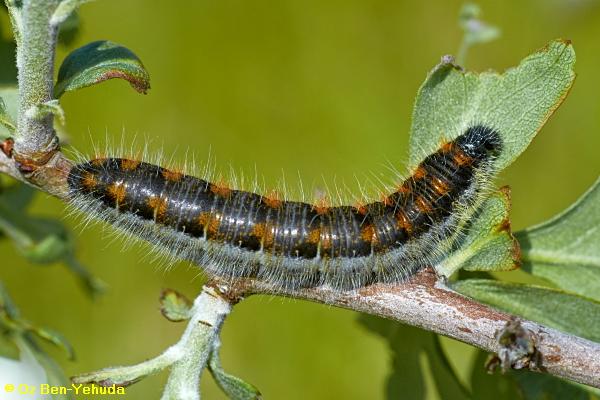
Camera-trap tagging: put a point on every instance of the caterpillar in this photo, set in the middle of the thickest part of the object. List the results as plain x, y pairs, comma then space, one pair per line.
293, 244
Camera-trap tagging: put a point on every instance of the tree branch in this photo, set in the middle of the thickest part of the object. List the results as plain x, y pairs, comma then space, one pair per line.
425, 302
35, 63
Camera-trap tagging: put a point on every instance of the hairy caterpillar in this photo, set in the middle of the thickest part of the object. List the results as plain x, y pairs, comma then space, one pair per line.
233, 233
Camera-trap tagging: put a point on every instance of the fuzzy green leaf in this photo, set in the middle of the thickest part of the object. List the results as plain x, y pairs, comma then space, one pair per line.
100, 61
566, 249
232, 386
174, 306
42, 110
516, 103
489, 244
555, 308
65, 9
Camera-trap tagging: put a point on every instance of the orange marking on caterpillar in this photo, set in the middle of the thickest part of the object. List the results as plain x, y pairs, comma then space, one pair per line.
322, 206
273, 199
367, 233
159, 205
314, 236
361, 207
460, 158
325, 240
171, 175
388, 201
89, 181
447, 147
420, 172
129, 164
98, 161
211, 223
404, 188
117, 191
423, 205
439, 185
403, 222
220, 188
266, 234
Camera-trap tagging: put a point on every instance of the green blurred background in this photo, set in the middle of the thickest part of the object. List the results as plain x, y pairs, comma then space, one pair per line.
321, 87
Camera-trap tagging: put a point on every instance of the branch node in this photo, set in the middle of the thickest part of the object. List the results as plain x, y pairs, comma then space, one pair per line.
517, 348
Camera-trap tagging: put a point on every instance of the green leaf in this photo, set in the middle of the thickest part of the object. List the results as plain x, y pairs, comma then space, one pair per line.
6, 304
8, 349
520, 384
516, 103
41, 240
407, 344
566, 249
174, 306
564, 311
18, 195
9, 98
476, 31
232, 386
483, 383
65, 9
42, 110
488, 244
55, 338
536, 386
100, 61
5, 119
54, 374
69, 29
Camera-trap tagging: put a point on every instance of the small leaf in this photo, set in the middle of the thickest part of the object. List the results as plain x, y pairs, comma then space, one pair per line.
476, 31
65, 9
100, 61
41, 111
93, 286
175, 306
8, 112
516, 103
8, 349
566, 249
6, 304
232, 386
488, 244
557, 309
5, 119
54, 338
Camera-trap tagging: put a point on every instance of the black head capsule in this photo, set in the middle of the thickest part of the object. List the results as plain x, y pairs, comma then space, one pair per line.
480, 142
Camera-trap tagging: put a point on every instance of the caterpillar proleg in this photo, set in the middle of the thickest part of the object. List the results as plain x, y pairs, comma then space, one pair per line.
235, 233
